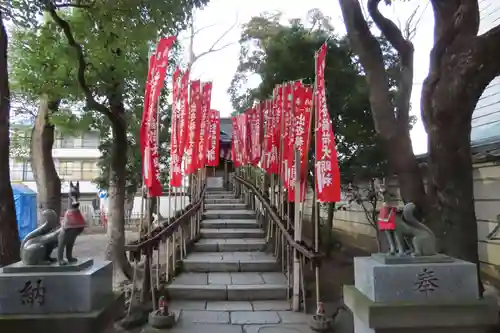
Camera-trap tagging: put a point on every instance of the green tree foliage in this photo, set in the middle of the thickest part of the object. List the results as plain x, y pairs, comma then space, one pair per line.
117, 38
280, 53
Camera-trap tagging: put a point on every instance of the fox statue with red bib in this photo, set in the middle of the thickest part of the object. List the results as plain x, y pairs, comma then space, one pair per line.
37, 246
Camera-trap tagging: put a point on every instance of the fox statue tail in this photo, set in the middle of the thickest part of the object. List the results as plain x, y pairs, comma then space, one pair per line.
411, 220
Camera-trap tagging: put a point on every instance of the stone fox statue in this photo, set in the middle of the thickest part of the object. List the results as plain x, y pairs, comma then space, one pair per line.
406, 235
38, 245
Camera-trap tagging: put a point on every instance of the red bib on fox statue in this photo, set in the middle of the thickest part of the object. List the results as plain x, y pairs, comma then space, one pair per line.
387, 218
73, 218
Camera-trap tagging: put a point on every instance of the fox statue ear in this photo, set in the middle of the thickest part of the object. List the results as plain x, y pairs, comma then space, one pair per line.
70, 184
78, 184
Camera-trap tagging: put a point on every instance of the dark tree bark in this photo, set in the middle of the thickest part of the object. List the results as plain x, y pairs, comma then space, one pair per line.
9, 236
391, 119
116, 115
47, 180
117, 192
462, 64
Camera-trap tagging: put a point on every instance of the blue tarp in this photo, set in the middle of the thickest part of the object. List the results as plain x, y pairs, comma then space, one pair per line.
25, 202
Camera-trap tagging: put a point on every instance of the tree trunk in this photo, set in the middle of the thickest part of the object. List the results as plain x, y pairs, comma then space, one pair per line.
117, 195
47, 180
9, 236
451, 189
391, 119
448, 104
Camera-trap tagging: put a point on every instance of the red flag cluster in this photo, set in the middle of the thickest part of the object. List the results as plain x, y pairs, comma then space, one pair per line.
271, 133
192, 138
195, 127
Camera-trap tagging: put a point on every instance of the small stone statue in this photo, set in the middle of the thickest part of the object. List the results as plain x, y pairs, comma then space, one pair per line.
422, 241
38, 245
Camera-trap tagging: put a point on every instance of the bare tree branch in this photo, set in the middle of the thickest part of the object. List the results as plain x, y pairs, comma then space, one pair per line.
367, 47
452, 19
405, 50
391, 32
489, 42
214, 48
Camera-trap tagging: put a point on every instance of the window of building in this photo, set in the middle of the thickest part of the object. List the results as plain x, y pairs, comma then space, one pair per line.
90, 171
70, 170
16, 170
64, 141
27, 172
90, 140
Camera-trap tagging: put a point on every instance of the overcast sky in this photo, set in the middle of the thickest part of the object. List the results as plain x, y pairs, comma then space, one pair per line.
220, 67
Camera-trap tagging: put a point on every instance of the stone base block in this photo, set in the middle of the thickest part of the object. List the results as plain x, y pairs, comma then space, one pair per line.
416, 282
473, 316
77, 266
97, 321
56, 292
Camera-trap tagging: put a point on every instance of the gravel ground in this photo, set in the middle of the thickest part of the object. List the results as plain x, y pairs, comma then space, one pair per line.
94, 246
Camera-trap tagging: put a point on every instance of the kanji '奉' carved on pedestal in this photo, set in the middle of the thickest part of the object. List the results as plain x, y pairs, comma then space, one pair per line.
38, 245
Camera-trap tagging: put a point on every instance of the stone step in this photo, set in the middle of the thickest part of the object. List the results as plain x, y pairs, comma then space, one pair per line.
226, 206
230, 245
209, 201
229, 214
211, 189
231, 224
230, 262
221, 195
234, 286
232, 233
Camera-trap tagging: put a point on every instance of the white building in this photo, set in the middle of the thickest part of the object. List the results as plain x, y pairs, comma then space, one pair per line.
486, 117
75, 159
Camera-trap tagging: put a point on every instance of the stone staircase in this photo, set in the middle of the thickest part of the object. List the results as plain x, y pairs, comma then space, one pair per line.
228, 279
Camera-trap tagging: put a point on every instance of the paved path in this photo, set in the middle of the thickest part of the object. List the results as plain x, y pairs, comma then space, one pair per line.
94, 245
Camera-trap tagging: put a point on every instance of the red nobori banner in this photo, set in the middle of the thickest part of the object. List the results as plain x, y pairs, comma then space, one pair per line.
256, 132
193, 128
327, 177
300, 133
235, 147
266, 114
243, 137
149, 127
206, 96
175, 153
286, 134
275, 126
213, 138
183, 113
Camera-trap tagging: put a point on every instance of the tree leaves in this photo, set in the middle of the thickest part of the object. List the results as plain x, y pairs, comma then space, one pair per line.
117, 38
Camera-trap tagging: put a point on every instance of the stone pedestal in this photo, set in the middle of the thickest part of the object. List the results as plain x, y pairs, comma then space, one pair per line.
432, 295
44, 295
